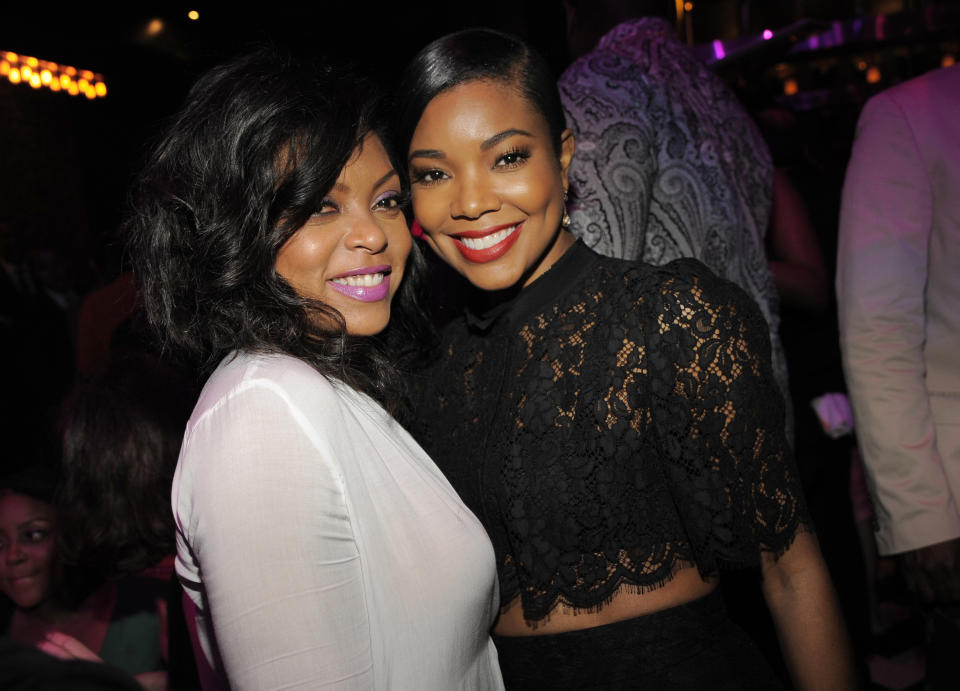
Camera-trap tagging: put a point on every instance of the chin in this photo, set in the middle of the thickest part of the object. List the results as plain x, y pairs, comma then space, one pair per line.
492, 278
367, 326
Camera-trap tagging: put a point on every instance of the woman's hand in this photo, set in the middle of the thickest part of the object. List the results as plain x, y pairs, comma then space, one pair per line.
67, 648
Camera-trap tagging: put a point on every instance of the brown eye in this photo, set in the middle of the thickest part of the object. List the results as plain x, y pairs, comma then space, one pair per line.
427, 177
512, 159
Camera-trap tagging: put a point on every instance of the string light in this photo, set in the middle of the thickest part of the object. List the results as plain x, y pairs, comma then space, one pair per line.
38, 74
193, 15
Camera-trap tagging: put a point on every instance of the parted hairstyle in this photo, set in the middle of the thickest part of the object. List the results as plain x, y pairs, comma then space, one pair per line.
471, 55
248, 159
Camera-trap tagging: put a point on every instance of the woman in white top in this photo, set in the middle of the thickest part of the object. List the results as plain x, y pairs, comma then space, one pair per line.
318, 545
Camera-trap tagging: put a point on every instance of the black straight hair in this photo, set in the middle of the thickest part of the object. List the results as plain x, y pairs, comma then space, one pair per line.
471, 55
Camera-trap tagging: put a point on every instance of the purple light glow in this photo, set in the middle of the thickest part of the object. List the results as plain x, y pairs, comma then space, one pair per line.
767, 34
718, 50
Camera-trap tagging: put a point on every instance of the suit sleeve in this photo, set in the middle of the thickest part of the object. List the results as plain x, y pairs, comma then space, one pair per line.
271, 530
885, 225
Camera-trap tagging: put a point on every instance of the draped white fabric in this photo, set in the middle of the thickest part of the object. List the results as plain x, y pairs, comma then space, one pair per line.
321, 546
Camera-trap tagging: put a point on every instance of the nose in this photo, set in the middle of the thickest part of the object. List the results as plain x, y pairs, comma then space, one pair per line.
14, 554
366, 235
474, 196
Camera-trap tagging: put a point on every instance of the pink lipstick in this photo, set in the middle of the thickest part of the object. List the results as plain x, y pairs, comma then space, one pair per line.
367, 284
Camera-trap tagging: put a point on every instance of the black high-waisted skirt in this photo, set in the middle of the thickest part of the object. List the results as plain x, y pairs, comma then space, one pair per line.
692, 646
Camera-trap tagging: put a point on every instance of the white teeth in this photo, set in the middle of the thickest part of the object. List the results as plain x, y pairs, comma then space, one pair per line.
360, 280
488, 240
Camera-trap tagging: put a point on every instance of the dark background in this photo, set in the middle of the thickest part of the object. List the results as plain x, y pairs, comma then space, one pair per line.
66, 162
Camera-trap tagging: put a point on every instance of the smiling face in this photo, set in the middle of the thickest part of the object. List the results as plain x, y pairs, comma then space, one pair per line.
26, 549
350, 255
488, 185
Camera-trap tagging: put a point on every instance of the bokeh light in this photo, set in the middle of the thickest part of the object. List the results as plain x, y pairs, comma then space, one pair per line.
37, 74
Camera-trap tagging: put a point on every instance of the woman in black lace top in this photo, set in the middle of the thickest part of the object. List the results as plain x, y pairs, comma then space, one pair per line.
613, 424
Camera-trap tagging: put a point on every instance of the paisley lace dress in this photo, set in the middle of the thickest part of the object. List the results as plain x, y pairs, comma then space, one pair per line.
613, 423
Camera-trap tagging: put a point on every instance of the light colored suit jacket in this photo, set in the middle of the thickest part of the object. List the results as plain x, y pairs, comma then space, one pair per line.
898, 289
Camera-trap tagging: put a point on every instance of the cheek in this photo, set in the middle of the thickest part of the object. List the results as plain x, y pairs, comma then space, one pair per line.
401, 240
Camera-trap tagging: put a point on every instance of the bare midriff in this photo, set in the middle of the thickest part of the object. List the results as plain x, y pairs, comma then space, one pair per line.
686, 585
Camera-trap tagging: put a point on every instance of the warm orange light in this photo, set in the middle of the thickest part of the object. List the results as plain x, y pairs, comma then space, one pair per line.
20, 69
194, 15
688, 6
154, 27
861, 65
790, 87
873, 75
948, 61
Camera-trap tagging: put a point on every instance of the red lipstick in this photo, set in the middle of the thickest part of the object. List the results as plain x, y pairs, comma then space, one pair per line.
487, 254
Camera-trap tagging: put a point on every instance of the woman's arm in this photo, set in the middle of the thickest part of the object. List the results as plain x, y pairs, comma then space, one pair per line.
728, 416
804, 607
267, 520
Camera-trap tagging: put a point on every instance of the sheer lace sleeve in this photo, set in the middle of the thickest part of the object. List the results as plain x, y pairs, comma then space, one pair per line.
719, 418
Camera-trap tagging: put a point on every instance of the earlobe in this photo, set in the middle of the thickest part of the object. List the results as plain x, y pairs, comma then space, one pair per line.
567, 147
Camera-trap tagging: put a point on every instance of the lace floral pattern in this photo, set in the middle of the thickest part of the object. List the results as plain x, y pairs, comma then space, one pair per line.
668, 163
616, 423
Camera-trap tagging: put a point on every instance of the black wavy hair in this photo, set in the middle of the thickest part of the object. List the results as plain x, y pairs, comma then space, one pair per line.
244, 164
470, 55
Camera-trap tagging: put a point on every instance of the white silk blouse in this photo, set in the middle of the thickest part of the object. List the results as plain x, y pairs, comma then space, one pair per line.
320, 547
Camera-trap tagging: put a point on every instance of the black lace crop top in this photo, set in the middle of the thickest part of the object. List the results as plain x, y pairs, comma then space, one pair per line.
612, 424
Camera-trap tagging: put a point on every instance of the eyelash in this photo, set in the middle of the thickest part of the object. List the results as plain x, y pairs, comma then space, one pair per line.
420, 176
399, 201
520, 155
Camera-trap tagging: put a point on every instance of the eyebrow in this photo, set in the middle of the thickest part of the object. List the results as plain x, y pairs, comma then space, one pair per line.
343, 188
506, 134
485, 146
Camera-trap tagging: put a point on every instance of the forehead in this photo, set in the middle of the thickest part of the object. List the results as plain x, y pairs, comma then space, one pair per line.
479, 109
18, 508
369, 154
